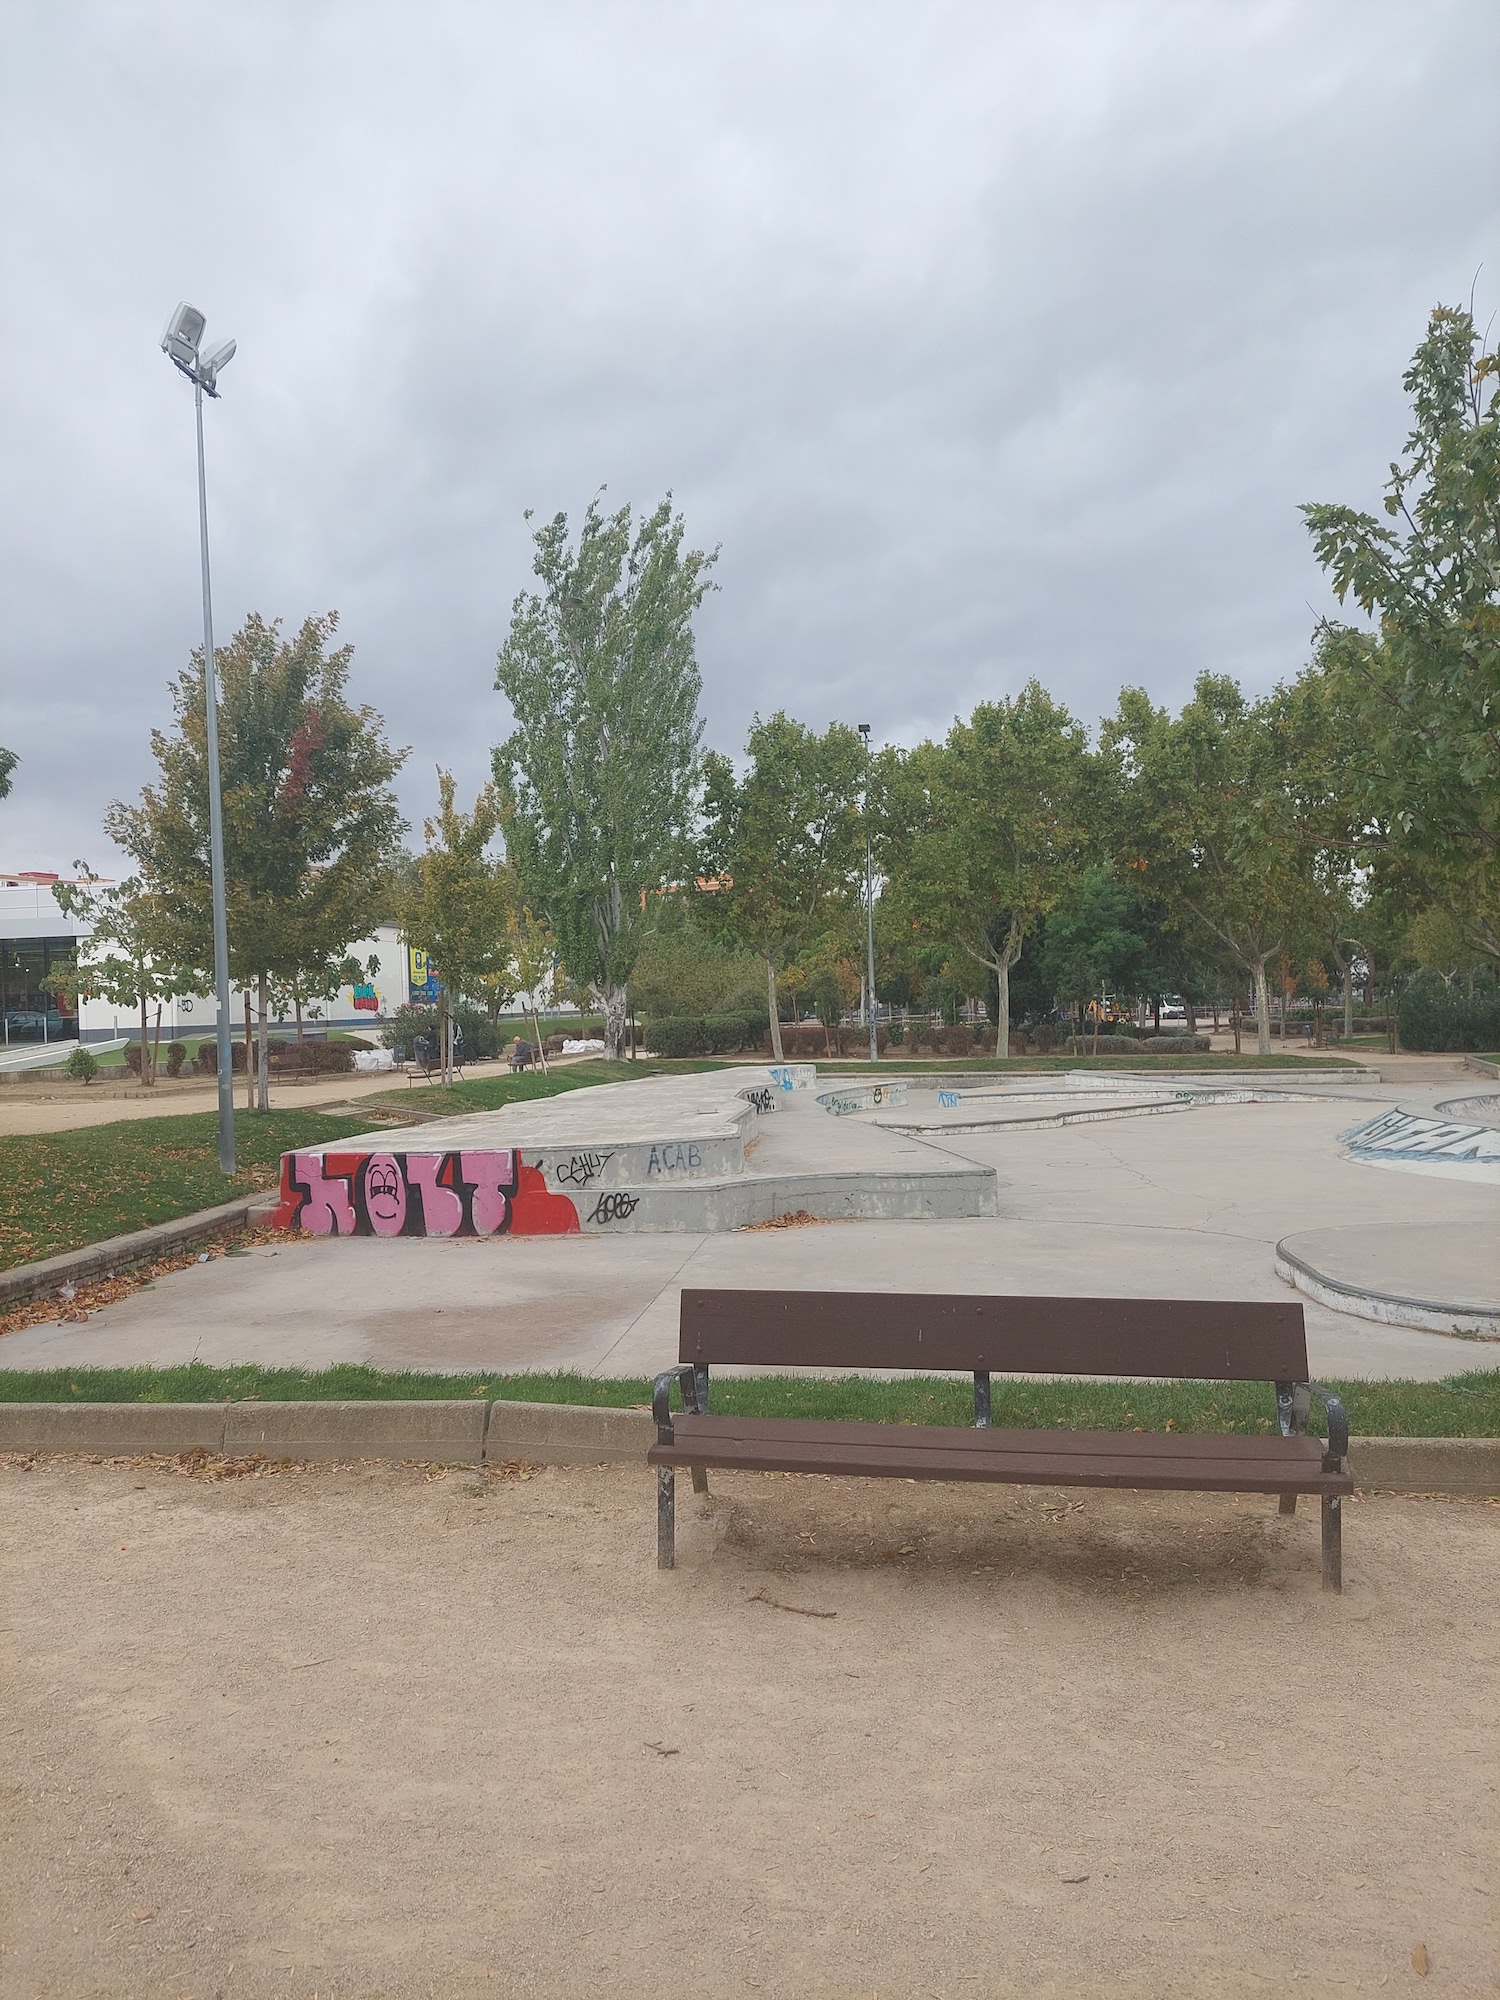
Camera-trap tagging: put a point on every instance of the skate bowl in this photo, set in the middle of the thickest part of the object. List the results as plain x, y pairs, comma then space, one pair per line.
721, 1150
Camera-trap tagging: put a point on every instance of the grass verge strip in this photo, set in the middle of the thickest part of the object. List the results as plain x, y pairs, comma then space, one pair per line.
1461, 1406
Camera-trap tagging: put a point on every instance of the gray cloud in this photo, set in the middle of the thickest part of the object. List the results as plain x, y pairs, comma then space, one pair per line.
988, 340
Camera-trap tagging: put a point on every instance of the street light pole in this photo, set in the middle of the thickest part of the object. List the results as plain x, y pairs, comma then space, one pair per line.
181, 343
864, 730
215, 825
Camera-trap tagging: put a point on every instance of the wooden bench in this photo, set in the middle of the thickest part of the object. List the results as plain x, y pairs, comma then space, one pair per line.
1180, 1339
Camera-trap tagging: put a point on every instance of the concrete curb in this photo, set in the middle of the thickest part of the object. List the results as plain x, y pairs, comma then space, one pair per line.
567, 1434
141, 1246
1484, 1068
437, 1433
1388, 1308
1426, 1465
114, 1430
474, 1432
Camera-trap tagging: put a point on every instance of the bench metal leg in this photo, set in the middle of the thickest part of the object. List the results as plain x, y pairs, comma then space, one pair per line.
666, 1523
700, 1478
1333, 1542
1288, 1503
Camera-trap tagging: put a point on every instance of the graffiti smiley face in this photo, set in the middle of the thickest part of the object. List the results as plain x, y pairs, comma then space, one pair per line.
385, 1195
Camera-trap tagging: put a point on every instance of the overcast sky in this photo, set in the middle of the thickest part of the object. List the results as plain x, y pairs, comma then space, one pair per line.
989, 341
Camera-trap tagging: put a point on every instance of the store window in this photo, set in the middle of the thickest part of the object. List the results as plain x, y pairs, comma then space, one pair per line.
36, 1007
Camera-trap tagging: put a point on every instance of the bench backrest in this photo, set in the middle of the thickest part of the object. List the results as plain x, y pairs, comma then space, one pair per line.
1211, 1340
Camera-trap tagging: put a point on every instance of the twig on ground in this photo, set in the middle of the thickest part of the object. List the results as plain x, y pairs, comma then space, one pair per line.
776, 1604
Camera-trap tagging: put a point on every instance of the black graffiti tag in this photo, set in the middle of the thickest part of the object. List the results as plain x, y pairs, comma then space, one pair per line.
617, 1207
761, 1098
581, 1169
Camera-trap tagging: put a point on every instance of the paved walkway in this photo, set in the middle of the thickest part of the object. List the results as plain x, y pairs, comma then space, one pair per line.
1185, 1206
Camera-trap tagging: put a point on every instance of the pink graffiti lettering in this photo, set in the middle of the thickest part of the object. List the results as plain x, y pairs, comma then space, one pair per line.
326, 1208
442, 1209
493, 1176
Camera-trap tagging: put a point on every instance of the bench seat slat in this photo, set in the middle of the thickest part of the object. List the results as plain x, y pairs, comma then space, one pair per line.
1035, 1464
1214, 1445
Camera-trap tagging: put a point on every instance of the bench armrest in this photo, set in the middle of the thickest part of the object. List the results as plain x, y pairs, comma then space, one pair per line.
1338, 1426
661, 1398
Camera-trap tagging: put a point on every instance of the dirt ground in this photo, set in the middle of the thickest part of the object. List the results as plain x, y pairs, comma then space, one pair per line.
377, 1731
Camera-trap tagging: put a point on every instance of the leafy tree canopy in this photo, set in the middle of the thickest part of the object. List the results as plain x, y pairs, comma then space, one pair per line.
598, 776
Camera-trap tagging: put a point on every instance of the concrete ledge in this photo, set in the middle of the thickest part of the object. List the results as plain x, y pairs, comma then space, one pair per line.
1426, 1465
114, 1430
140, 1246
1484, 1067
461, 1433
567, 1434
441, 1433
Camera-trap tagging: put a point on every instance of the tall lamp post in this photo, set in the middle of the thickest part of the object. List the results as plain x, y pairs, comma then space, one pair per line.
864, 730
181, 343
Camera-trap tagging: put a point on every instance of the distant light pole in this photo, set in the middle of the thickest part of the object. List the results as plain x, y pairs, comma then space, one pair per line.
864, 730
180, 343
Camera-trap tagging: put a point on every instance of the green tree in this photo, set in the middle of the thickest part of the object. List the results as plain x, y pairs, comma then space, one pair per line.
1207, 816
984, 830
1096, 942
458, 906
310, 819
784, 842
598, 774
8, 763
1419, 686
125, 958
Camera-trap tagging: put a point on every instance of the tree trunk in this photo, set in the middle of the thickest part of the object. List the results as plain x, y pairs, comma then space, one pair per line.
145, 1043
249, 1056
1262, 1006
776, 1055
1192, 1015
536, 1022
263, 1049
1236, 1011
297, 1005
442, 1048
156, 1046
1002, 1008
614, 1022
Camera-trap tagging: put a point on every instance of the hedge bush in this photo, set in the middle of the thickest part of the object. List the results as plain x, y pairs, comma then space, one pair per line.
1133, 1045
1431, 1016
703, 1034
482, 1037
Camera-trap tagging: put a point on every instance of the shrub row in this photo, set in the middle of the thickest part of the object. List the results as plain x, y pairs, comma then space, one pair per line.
1136, 1045
1431, 1016
703, 1034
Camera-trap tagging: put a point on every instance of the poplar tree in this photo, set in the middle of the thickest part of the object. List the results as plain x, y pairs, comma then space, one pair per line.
598, 775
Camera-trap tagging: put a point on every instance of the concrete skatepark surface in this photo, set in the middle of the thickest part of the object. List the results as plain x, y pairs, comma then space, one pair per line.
1188, 1205
375, 1731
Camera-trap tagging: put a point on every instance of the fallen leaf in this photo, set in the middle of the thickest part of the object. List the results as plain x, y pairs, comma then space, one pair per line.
1420, 1962
664, 1750
1075, 1878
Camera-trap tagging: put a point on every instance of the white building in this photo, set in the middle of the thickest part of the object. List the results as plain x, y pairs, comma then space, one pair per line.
35, 936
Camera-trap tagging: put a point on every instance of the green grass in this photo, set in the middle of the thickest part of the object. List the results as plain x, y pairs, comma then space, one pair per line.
62, 1190
1462, 1406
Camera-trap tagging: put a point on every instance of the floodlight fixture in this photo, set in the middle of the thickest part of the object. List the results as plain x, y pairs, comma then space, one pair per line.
181, 343
183, 332
210, 364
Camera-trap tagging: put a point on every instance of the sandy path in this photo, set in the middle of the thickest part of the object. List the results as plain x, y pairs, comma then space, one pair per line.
380, 1732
